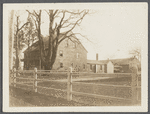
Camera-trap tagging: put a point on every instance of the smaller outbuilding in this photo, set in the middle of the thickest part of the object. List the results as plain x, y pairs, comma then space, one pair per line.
100, 66
113, 65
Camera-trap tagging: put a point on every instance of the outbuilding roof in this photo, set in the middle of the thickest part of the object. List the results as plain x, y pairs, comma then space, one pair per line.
122, 61
117, 62
96, 62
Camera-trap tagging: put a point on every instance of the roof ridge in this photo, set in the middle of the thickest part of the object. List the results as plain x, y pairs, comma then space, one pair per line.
114, 59
45, 38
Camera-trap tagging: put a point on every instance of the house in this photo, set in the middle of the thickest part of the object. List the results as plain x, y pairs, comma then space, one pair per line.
71, 54
121, 65
97, 66
68, 54
124, 65
112, 65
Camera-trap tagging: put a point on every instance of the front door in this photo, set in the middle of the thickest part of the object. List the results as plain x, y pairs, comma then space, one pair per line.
94, 68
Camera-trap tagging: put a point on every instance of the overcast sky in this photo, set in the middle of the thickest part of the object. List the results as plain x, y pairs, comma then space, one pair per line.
113, 29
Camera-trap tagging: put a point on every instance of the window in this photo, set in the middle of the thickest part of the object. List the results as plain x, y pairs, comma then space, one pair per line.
83, 66
91, 67
100, 67
25, 64
61, 53
61, 65
71, 64
77, 55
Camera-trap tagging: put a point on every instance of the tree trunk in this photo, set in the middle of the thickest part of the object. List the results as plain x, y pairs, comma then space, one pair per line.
17, 58
40, 39
11, 39
16, 47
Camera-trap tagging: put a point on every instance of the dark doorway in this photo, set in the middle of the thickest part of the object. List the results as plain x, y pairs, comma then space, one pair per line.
94, 68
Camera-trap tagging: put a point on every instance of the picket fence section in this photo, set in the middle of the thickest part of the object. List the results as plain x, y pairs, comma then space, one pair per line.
134, 83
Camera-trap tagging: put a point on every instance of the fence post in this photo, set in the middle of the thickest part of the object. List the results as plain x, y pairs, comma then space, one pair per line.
35, 80
69, 85
14, 77
134, 86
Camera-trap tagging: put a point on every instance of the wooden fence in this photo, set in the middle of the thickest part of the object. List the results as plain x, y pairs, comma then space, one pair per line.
34, 73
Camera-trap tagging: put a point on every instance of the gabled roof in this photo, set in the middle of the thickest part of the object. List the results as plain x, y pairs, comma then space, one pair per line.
97, 62
92, 62
83, 47
116, 62
122, 61
45, 40
33, 47
103, 61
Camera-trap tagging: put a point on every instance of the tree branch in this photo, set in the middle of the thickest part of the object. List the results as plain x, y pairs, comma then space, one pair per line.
23, 26
31, 13
35, 13
78, 13
83, 37
60, 24
55, 13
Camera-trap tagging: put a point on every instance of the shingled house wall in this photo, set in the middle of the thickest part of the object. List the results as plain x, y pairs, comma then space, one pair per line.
69, 57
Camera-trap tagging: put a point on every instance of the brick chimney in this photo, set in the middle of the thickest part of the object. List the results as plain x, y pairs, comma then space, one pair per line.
97, 56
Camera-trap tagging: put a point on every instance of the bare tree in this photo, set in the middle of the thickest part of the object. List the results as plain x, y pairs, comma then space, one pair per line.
36, 16
30, 35
136, 52
58, 20
17, 42
68, 20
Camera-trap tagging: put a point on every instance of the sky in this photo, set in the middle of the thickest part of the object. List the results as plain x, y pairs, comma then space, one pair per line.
113, 29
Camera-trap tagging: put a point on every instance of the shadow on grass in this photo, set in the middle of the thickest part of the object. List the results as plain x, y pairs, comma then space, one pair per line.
36, 99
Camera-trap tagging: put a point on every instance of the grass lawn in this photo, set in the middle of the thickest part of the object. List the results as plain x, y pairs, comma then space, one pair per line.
123, 92
56, 98
15, 102
20, 97
113, 91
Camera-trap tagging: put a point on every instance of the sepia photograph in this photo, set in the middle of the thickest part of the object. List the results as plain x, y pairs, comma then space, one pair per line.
75, 57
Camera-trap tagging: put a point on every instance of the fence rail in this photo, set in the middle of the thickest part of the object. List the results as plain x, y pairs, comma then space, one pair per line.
51, 88
84, 83
134, 83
